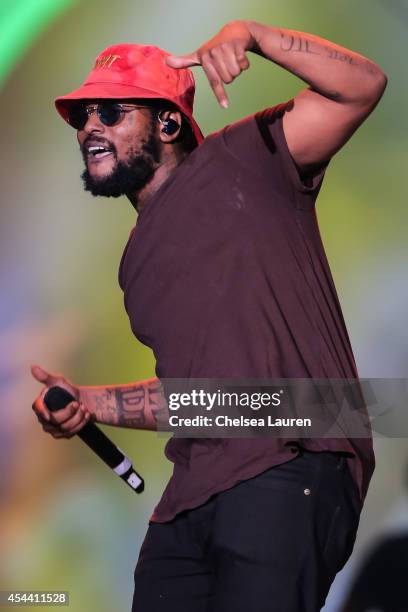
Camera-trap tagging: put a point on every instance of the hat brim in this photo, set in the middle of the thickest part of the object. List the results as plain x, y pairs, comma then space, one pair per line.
117, 91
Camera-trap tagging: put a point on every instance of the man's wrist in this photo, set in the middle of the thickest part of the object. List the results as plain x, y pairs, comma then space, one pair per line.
244, 29
87, 399
255, 30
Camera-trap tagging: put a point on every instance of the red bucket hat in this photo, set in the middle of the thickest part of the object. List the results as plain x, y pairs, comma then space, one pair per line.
136, 71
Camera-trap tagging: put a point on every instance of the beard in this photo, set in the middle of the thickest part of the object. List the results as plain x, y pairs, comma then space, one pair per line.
128, 176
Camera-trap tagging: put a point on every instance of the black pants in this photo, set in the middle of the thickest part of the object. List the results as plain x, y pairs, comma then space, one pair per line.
273, 543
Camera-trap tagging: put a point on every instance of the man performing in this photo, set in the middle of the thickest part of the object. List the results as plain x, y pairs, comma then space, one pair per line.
225, 276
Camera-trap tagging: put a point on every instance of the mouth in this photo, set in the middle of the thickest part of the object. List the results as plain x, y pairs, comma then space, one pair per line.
96, 153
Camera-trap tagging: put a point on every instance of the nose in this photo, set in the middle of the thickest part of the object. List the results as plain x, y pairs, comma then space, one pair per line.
93, 123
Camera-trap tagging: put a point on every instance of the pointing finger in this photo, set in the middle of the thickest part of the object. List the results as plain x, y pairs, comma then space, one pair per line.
216, 83
182, 61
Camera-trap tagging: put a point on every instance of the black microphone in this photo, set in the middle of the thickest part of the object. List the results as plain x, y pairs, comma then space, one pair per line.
57, 398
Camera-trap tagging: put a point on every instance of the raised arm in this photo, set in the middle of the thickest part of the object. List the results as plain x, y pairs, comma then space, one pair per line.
344, 86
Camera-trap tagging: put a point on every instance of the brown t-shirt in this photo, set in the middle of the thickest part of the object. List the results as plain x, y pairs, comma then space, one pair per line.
225, 276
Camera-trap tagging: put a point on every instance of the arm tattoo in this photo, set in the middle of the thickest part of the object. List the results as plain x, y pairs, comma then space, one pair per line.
157, 401
134, 403
295, 43
130, 405
139, 406
334, 54
105, 409
298, 44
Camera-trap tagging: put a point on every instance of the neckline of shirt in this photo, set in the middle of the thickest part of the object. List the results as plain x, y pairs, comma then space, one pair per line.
168, 181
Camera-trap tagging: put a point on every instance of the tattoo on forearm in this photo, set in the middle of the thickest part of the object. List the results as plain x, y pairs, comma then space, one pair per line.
134, 404
105, 409
334, 54
298, 44
157, 401
295, 43
130, 406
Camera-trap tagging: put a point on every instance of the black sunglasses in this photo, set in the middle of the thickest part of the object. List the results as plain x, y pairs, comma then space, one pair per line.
109, 113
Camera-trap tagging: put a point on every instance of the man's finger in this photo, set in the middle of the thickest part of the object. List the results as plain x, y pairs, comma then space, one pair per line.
49, 428
222, 68
42, 376
76, 419
76, 423
182, 61
40, 410
216, 83
62, 415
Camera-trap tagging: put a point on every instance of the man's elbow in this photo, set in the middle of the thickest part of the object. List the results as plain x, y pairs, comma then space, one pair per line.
376, 87
381, 83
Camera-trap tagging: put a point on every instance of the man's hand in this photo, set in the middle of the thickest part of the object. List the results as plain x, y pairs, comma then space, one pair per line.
223, 57
63, 423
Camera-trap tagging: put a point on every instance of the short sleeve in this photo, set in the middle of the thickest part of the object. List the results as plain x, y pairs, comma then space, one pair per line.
259, 140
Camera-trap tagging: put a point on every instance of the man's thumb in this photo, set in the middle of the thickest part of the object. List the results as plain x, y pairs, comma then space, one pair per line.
41, 375
182, 61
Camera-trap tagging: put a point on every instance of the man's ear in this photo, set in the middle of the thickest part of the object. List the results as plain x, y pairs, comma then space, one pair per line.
170, 125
